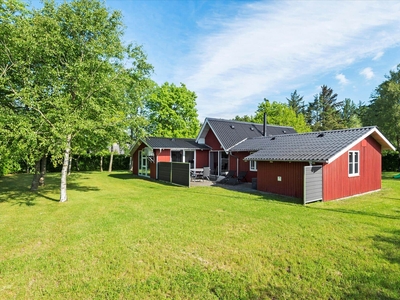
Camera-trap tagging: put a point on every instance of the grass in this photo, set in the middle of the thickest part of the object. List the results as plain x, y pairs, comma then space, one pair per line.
122, 237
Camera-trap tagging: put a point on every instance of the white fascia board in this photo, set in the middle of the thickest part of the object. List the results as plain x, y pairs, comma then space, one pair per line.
389, 145
202, 129
137, 145
367, 134
236, 145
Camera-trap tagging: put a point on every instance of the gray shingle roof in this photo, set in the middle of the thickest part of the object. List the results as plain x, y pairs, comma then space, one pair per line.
230, 132
314, 146
173, 143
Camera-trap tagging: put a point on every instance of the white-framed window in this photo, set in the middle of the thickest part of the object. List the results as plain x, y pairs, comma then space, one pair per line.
354, 163
253, 164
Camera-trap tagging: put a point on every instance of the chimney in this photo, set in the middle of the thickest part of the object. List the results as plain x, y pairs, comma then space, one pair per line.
265, 125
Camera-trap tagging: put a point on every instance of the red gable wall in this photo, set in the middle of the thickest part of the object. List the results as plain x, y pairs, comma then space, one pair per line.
211, 140
336, 182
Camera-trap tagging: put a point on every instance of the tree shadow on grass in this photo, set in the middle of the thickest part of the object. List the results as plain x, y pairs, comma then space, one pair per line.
15, 189
357, 212
127, 176
389, 245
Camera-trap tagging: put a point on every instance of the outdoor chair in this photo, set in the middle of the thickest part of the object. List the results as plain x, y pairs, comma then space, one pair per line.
206, 173
242, 176
229, 177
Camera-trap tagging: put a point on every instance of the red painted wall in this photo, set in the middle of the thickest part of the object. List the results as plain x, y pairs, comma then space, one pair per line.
212, 141
243, 165
163, 155
202, 158
292, 175
336, 182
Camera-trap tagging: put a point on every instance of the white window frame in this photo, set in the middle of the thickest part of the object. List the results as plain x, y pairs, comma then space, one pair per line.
253, 164
355, 155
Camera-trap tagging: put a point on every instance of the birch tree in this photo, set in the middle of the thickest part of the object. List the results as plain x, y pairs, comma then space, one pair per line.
74, 73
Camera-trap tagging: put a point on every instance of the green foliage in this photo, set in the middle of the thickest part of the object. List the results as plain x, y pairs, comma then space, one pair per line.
92, 163
280, 114
384, 110
390, 161
349, 114
171, 112
128, 238
245, 118
68, 76
324, 112
296, 103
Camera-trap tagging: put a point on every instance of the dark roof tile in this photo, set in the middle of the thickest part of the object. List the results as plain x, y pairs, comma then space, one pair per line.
230, 132
312, 146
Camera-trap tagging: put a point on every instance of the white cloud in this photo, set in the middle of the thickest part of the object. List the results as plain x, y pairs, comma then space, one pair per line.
273, 45
367, 73
342, 79
378, 55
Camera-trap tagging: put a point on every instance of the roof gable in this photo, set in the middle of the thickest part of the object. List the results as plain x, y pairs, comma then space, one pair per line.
323, 146
230, 133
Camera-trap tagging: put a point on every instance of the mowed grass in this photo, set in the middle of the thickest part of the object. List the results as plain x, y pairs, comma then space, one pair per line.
122, 237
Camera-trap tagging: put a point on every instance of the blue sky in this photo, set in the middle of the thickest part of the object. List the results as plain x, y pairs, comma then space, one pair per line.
234, 54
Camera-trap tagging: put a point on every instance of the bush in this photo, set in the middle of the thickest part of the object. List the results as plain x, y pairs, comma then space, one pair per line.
390, 161
92, 163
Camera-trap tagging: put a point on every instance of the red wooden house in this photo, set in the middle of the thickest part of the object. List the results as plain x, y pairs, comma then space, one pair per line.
211, 148
223, 135
319, 165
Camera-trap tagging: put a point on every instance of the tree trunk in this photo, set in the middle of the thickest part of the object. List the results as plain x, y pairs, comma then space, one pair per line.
77, 163
63, 192
36, 176
69, 165
43, 170
101, 163
111, 160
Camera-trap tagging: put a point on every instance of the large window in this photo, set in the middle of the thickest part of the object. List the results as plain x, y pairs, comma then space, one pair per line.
354, 163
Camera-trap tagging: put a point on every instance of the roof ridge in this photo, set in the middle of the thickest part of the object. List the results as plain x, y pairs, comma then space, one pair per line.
169, 138
318, 132
249, 123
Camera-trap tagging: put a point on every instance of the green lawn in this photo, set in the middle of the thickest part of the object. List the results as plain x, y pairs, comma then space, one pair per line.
121, 237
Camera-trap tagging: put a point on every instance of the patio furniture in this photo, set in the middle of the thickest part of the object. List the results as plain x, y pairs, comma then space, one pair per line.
206, 173
196, 174
229, 177
242, 176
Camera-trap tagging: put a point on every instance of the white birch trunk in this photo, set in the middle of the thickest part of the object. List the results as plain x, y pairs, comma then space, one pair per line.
63, 192
111, 159
69, 165
101, 164
42, 170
